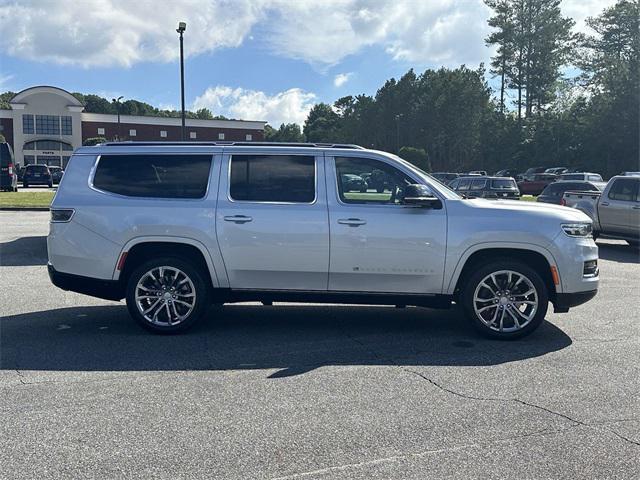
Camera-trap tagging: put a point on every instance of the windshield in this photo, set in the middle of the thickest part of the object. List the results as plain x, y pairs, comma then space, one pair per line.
506, 184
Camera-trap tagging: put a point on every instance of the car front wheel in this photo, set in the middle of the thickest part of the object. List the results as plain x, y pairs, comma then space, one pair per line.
505, 299
167, 295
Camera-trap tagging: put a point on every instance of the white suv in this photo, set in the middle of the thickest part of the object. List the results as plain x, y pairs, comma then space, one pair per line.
174, 227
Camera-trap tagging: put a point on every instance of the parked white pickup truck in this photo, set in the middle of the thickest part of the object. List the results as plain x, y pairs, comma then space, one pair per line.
615, 212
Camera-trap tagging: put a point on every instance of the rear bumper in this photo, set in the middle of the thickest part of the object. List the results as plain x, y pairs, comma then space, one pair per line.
106, 289
564, 301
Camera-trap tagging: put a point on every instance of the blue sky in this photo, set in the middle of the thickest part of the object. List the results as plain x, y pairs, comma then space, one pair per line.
253, 59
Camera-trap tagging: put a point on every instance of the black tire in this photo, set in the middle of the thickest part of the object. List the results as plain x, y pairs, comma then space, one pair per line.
50, 184
480, 273
201, 302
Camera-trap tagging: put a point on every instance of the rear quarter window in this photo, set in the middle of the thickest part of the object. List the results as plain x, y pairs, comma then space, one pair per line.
154, 176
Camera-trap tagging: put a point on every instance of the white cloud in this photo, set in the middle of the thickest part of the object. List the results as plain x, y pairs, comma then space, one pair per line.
579, 10
4, 82
341, 78
292, 105
121, 32
321, 32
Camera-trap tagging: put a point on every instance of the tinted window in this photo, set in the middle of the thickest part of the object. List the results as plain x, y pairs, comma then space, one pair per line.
464, 184
594, 178
273, 178
505, 184
625, 190
375, 181
157, 176
37, 169
575, 176
478, 184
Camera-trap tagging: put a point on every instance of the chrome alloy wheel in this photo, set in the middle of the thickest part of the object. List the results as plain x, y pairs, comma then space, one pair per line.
165, 296
505, 301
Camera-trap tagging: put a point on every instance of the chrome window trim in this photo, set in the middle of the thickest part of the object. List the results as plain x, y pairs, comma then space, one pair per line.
92, 174
264, 202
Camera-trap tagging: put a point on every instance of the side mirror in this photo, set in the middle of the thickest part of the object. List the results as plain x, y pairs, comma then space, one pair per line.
421, 196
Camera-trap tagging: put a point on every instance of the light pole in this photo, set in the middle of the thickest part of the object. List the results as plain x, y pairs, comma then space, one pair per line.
117, 102
182, 26
398, 133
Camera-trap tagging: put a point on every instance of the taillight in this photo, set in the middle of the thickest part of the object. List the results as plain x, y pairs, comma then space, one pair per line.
11, 169
563, 202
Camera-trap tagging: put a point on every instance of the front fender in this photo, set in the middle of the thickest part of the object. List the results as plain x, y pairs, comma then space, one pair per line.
454, 274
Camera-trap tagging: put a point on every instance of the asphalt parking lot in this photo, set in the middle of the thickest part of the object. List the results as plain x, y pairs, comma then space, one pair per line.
311, 392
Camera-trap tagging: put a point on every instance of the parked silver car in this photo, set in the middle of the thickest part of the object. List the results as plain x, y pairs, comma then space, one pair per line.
172, 227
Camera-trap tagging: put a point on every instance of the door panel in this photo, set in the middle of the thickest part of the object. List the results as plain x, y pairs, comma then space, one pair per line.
272, 244
383, 247
615, 212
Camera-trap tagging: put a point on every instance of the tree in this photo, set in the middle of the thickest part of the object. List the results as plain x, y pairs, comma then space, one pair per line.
322, 124
610, 60
204, 114
288, 133
93, 141
416, 156
534, 41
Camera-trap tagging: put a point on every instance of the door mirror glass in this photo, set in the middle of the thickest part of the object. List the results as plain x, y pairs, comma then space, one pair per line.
420, 195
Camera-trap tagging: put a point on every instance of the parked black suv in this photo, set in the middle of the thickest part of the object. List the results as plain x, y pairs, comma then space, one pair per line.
8, 170
36, 175
486, 187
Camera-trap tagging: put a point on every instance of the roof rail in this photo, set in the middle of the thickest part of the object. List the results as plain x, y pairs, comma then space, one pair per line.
130, 143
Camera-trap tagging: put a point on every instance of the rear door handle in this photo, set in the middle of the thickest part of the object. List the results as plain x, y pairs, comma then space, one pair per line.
352, 222
605, 204
636, 207
237, 218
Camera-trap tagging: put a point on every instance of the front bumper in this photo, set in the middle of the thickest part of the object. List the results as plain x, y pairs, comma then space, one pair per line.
564, 301
105, 289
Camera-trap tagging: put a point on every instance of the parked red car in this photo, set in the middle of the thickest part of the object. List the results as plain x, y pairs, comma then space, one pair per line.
537, 184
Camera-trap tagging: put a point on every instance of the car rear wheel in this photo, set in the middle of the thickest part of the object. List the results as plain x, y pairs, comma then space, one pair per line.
505, 299
167, 295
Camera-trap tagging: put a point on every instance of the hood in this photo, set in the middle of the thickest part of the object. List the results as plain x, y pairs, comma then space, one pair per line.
534, 209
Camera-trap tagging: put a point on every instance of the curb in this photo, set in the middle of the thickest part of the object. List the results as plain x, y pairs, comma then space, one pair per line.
24, 209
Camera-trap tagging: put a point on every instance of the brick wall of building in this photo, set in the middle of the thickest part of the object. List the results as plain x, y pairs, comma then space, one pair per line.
152, 132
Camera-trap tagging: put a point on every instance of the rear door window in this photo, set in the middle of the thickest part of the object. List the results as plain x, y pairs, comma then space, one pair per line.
273, 178
478, 184
464, 184
154, 176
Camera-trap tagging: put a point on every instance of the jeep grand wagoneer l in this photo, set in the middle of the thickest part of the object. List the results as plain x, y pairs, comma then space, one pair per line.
173, 227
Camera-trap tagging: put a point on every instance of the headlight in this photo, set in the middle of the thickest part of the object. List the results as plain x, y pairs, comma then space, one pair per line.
577, 229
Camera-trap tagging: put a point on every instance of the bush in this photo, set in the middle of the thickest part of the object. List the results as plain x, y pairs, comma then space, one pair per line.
93, 141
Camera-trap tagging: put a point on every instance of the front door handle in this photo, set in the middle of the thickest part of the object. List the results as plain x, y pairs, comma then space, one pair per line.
636, 207
237, 218
604, 204
352, 222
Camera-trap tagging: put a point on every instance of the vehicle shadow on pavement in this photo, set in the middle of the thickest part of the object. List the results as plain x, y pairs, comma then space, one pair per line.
24, 252
293, 339
621, 253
